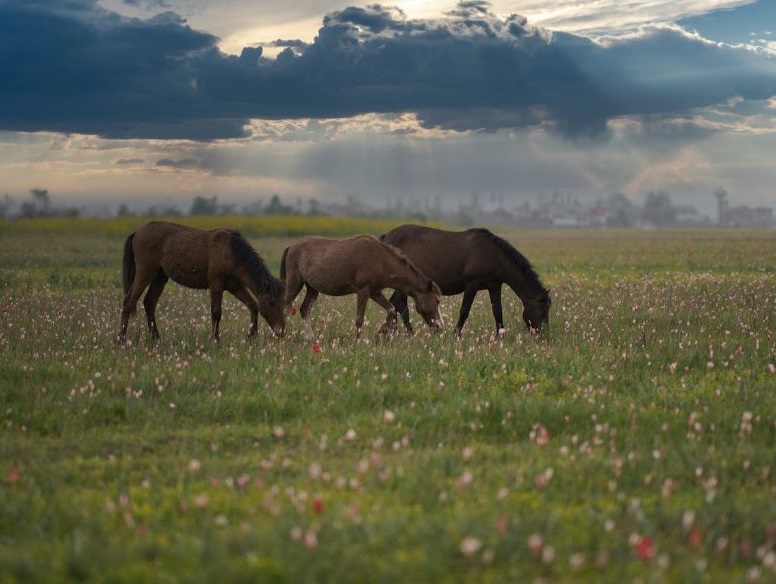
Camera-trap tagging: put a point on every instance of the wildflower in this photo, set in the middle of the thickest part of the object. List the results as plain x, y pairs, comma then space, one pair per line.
688, 518
542, 479
314, 470
644, 548
502, 524
13, 475
695, 538
293, 310
539, 435
465, 480
470, 546
317, 504
194, 465
389, 416
576, 561
535, 543
548, 554
316, 347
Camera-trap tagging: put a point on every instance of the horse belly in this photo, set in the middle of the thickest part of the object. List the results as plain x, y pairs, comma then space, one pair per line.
190, 276
329, 278
187, 269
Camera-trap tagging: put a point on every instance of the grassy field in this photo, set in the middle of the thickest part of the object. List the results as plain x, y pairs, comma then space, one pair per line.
634, 441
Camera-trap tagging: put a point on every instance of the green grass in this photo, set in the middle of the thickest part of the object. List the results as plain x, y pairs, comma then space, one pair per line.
633, 441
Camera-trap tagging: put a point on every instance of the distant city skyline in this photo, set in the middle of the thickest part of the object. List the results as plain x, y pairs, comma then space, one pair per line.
148, 101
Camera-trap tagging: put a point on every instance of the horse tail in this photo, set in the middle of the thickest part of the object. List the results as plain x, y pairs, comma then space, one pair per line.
128, 264
283, 265
249, 258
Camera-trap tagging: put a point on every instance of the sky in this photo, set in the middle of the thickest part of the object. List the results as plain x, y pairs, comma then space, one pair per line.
155, 102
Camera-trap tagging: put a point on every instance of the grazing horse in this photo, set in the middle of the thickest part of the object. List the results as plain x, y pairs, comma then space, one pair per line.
219, 259
359, 265
469, 261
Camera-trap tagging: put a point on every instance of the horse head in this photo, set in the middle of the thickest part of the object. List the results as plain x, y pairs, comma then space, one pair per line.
536, 311
427, 305
272, 309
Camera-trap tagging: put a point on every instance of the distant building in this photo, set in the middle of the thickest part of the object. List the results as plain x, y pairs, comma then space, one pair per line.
743, 216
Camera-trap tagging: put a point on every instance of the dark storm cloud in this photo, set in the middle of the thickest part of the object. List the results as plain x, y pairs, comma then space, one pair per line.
71, 66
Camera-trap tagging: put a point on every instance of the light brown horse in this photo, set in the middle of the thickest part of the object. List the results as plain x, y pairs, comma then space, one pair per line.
359, 265
219, 260
469, 261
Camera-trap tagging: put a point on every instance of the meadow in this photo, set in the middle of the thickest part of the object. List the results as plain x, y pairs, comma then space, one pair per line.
633, 441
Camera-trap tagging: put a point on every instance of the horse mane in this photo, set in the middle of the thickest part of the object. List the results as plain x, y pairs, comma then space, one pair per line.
522, 262
406, 260
250, 259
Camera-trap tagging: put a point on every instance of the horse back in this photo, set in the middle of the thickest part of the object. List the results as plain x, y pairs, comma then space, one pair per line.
337, 266
181, 252
449, 258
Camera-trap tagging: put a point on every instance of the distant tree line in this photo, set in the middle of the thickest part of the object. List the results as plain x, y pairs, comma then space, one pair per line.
37, 206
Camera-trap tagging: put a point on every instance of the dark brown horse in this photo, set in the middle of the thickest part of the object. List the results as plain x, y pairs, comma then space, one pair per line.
469, 261
359, 265
219, 260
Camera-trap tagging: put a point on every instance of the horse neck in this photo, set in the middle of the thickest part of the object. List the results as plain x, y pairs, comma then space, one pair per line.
406, 279
524, 285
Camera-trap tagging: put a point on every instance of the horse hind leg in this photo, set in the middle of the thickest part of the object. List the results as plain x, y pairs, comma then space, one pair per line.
399, 301
293, 285
304, 311
143, 277
151, 300
216, 299
362, 297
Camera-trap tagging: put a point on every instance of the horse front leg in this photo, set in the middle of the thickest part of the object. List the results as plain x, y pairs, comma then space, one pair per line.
495, 304
468, 298
362, 297
399, 301
216, 298
241, 293
389, 326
